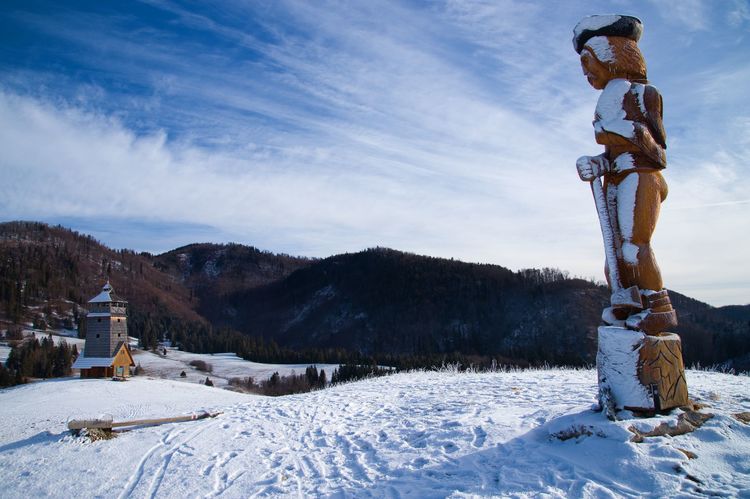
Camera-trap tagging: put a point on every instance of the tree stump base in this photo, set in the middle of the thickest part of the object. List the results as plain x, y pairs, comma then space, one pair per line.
640, 372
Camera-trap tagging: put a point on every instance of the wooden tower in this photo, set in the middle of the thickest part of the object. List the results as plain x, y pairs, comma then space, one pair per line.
106, 352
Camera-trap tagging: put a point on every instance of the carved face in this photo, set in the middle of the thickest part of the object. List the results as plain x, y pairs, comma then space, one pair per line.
595, 72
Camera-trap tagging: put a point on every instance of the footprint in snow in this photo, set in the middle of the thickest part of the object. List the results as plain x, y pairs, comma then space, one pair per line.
419, 462
419, 440
479, 437
449, 448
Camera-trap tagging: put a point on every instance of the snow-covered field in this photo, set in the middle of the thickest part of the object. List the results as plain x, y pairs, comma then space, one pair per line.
69, 336
225, 367
425, 434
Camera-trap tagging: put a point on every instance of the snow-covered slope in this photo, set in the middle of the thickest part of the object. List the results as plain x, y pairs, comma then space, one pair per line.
419, 434
225, 366
57, 336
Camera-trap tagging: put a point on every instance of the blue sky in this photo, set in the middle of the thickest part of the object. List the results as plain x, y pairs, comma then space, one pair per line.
445, 128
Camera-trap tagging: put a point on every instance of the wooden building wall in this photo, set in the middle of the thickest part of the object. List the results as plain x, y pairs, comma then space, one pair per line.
122, 361
97, 372
104, 332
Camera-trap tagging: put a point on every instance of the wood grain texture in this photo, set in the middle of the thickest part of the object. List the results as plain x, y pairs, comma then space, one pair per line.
661, 368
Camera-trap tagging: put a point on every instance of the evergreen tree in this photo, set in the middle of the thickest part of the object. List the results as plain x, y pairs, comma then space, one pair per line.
6, 376
311, 373
82, 328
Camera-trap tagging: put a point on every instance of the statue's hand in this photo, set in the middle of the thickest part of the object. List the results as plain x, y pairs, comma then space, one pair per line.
592, 167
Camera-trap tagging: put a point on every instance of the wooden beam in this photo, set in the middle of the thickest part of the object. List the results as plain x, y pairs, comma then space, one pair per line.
79, 424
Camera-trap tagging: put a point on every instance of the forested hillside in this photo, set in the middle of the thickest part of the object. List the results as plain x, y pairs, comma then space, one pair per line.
379, 303
383, 301
48, 273
213, 271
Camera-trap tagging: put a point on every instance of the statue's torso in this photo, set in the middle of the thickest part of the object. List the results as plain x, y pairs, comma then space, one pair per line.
627, 122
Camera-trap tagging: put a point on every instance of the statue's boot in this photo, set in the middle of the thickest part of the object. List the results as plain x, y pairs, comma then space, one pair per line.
658, 315
615, 316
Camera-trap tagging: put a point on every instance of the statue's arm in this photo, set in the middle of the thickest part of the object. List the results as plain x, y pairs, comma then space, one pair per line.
649, 135
654, 113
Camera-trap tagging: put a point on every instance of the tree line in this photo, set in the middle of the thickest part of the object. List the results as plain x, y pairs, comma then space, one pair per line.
394, 308
37, 359
277, 385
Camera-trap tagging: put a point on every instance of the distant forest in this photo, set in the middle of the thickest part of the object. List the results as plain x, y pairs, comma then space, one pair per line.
35, 359
376, 306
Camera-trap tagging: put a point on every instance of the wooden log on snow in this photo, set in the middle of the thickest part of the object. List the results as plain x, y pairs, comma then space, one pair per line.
79, 424
108, 424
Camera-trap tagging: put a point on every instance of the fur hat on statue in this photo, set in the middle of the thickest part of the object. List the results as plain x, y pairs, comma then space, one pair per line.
607, 25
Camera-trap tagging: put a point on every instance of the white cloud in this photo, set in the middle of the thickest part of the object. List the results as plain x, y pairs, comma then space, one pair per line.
89, 165
692, 14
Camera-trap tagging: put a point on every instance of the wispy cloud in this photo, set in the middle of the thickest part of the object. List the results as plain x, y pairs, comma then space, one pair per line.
739, 14
312, 128
691, 14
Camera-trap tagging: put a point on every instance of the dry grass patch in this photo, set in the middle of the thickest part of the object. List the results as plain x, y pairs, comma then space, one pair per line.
687, 422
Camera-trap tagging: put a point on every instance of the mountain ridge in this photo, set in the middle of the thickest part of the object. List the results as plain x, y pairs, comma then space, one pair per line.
375, 302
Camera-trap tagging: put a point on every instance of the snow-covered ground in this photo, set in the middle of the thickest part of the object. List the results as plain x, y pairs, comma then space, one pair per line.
225, 367
58, 335
67, 335
426, 434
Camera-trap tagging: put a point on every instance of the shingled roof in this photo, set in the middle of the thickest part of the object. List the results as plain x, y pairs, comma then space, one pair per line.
83, 362
107, 295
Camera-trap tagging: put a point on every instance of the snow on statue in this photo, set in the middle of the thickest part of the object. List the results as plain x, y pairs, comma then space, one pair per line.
640, 365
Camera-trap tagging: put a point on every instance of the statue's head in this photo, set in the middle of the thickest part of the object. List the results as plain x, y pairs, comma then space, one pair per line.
605, 58
609, 48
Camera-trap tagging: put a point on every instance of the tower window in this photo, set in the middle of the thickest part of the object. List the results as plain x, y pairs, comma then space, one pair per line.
97, 335
99, 319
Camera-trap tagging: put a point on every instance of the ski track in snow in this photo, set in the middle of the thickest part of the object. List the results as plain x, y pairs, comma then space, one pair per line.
424, 434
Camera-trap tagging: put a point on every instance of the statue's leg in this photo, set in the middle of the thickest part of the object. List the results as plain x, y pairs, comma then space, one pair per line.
616, 313
639, 197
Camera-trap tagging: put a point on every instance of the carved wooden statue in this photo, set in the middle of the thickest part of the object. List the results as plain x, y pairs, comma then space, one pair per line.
628, 189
